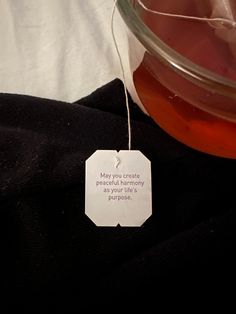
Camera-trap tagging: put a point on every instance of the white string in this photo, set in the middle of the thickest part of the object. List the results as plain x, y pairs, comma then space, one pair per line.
123, 74
222, 21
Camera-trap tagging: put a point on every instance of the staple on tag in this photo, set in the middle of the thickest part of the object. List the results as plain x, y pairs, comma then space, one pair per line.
117, 162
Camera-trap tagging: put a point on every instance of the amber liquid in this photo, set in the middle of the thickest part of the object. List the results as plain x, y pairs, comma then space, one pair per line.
195, 127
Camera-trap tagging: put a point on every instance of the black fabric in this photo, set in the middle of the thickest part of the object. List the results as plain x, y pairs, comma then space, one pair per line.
53, 258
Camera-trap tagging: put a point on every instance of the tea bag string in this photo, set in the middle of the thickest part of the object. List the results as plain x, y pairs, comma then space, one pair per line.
221, 21
123, 75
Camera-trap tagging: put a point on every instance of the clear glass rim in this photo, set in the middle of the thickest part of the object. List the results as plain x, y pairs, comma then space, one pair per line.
186, 68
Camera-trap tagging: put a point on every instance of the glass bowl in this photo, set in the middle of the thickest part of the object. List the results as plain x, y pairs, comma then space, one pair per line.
187, 78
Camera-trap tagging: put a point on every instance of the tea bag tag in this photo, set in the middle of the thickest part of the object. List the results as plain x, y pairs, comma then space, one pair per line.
118, 188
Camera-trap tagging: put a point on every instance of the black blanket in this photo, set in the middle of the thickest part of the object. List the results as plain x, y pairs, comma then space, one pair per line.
54, 257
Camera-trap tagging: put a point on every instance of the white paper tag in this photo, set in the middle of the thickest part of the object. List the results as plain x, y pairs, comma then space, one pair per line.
118, 188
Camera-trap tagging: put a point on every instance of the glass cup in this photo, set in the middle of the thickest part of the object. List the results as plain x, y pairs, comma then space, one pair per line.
187, 78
